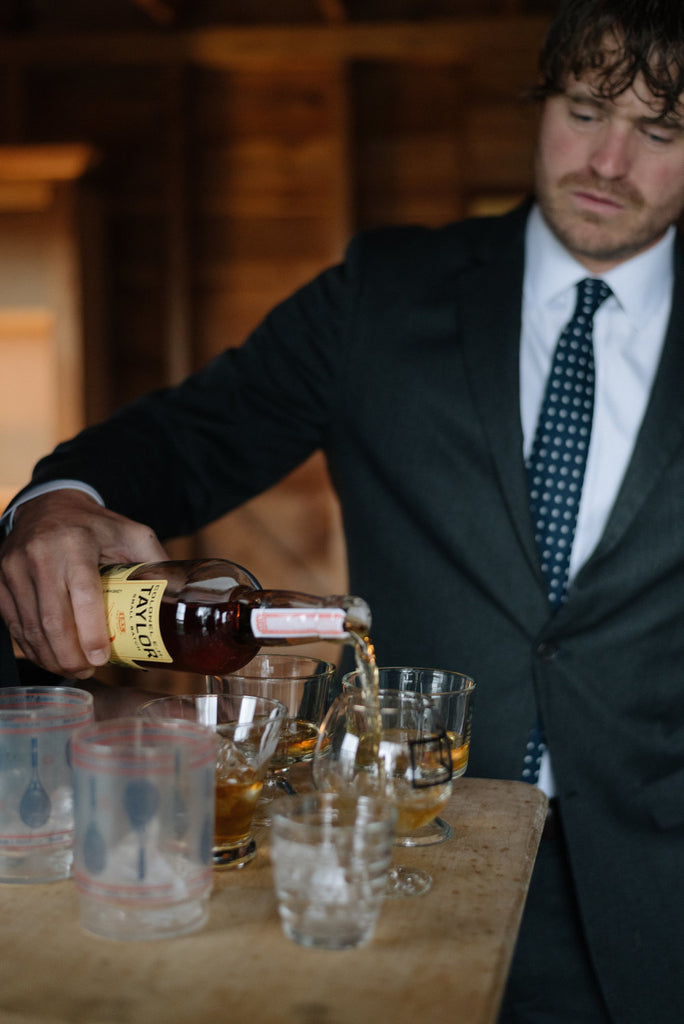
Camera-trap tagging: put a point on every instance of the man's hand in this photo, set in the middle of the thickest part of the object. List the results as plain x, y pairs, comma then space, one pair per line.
50, 588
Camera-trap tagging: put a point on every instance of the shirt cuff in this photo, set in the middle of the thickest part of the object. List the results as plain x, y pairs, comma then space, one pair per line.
7, 520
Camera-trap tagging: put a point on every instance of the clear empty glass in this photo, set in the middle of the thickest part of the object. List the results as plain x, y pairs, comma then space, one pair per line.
37, 727
330, 857
144, 814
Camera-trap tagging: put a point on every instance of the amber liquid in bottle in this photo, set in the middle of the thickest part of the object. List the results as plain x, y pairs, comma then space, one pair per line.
205, 637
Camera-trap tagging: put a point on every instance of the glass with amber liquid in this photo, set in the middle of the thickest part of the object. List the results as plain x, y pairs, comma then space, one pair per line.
247, 730
453, 695
396, 748
302, 684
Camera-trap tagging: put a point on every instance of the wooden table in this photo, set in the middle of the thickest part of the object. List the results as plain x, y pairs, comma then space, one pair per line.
444, 955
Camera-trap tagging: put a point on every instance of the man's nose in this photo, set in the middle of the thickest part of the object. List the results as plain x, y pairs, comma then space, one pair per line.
611, 156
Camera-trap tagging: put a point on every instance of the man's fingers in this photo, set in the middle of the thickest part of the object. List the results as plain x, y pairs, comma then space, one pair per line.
85, 591
50, 587
33, 635
10, 614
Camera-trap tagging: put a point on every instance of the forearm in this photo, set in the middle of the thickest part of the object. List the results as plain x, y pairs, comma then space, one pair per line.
35, 491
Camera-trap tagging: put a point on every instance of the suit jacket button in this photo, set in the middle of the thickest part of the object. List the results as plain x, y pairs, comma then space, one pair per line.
546, 651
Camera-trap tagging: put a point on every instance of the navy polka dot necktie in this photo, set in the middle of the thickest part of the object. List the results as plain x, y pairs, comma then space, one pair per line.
555, 469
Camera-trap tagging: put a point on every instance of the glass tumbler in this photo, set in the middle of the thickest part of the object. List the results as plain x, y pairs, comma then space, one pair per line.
37, 728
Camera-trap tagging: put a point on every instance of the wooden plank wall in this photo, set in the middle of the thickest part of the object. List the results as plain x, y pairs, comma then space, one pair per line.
236, 164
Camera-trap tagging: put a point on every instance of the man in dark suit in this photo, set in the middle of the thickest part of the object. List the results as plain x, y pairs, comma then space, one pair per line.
420, 367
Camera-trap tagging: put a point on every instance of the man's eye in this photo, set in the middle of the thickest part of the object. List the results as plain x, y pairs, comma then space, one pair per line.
583, 116
662, 138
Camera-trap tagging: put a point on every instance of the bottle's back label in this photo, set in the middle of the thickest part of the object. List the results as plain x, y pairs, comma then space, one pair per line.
133, 610
326, 623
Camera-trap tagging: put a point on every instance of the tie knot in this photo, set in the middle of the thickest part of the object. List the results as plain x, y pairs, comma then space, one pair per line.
591, 292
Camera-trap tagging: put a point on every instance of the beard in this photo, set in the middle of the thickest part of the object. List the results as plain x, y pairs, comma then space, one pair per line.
590, 235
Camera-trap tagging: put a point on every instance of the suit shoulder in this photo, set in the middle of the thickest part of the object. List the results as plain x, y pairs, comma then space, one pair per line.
416, 249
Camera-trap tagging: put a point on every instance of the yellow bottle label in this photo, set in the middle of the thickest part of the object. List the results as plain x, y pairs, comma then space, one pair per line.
133, 608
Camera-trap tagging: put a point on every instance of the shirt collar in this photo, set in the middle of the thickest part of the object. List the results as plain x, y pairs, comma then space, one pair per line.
640, 284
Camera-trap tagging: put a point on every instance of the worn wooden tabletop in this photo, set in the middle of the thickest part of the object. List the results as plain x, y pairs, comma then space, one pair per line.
446, 953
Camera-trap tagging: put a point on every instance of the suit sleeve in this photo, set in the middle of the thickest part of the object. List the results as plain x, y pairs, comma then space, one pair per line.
179, 458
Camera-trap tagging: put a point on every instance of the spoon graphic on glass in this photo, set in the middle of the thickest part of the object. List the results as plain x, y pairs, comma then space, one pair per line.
180, 809
141, 800
94, 846
35, 806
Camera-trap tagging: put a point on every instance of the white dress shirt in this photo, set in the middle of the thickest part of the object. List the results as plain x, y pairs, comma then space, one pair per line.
629, 330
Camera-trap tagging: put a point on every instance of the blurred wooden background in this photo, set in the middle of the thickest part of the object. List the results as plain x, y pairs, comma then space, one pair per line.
170, 170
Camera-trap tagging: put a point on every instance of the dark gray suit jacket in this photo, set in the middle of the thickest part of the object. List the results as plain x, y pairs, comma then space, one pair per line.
402, 364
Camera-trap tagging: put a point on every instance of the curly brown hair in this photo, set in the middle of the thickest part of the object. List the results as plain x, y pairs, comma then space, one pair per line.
648, 37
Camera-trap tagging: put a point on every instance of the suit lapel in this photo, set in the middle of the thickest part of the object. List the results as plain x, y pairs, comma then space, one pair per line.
490, 301
662, 429
490, 304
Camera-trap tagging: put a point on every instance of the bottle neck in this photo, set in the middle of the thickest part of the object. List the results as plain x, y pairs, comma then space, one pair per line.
294, 623
287, 615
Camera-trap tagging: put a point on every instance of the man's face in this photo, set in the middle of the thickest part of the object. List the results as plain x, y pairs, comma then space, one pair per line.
609, 173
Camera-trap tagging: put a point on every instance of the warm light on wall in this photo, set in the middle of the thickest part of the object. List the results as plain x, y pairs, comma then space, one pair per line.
41, 372
28, 403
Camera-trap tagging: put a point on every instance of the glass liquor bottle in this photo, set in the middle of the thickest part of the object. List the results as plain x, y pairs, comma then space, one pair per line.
211, 616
